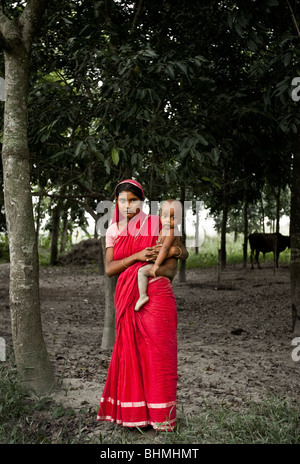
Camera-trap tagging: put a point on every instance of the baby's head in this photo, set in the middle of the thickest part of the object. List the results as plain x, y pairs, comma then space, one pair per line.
170, 213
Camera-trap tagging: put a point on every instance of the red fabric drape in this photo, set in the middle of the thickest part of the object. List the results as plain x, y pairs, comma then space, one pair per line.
142, 377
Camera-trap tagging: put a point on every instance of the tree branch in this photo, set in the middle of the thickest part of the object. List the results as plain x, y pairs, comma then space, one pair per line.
294, 18
106, 13
140, 10
42, 193
9, 33
30, 19
78, 199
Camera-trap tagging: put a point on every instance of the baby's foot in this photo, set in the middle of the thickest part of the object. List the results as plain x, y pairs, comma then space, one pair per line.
140, 302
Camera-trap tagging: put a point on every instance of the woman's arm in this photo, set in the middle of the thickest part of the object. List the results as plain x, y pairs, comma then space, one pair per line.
115, 267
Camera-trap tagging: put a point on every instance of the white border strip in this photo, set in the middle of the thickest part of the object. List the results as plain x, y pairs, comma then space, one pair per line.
138, 404
156, 425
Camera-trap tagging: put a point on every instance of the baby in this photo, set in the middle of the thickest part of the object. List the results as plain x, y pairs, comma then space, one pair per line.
170, 216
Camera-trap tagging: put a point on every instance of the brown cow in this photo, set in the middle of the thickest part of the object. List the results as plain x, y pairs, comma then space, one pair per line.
266, 243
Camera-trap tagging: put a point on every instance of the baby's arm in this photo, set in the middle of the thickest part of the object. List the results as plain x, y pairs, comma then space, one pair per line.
163, 253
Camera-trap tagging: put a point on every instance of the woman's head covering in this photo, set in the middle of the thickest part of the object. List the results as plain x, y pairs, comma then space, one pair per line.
116, 216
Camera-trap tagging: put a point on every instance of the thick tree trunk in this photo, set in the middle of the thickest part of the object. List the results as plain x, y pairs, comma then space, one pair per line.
30, 352
295, 242
29, 348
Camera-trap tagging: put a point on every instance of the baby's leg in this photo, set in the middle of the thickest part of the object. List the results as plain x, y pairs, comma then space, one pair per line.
143, 275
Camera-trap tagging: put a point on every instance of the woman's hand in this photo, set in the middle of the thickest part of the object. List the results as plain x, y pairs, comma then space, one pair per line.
152, 252
148, 254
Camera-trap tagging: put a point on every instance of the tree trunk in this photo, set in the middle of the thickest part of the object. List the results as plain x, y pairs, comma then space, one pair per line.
197, 232
101, 258
38, 220
223, 231
56, 214
64, 234
219, 267
245, 245
262, 213
236, 235
108, 336
29, 347
295, 242
182, 262
55, 220
278, 209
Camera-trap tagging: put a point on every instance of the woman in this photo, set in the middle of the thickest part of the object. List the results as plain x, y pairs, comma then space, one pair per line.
140, 389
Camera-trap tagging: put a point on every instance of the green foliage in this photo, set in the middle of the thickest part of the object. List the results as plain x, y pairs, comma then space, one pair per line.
118, 91
208, 253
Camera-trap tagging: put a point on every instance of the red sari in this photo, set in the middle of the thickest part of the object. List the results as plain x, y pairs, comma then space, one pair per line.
140, 389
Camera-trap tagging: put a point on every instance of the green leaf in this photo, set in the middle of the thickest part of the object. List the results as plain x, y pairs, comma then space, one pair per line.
170, 71
115, 156
252, 45
78, 148
107, 166
134, 159
287, 59
107, 186
167, 177
212, 181
202, 140
58, 412
182, 66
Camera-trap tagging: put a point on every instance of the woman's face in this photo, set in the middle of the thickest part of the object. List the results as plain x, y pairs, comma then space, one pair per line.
129, 204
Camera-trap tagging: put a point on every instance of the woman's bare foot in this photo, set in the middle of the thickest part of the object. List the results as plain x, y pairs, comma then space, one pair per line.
141, 301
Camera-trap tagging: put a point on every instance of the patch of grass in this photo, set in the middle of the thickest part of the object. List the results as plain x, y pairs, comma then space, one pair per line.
275, 420
14, 409
30, 420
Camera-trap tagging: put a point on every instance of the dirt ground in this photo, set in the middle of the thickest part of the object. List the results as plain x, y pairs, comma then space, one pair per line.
217, 362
